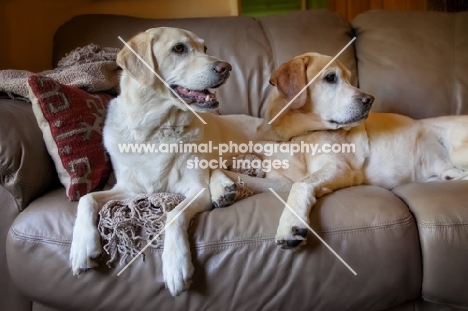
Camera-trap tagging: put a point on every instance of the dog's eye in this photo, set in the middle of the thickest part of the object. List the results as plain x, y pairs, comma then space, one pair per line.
205, 48
179, 48
331, 78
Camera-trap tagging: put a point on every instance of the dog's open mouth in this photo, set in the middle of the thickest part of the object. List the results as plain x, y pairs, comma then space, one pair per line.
203, 99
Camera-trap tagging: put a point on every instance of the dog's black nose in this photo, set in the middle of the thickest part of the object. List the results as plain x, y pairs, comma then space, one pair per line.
222, 67
366, 100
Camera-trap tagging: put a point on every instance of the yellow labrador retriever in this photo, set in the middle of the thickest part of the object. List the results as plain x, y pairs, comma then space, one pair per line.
389, 149
147, 112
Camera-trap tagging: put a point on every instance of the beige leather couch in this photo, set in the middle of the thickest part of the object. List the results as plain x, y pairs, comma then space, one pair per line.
409, 246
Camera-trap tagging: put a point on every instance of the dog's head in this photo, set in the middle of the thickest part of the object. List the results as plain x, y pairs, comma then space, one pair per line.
330, 100
178, 57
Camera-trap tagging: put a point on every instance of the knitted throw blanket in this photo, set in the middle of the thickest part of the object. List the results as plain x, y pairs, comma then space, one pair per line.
91, 68
127, 226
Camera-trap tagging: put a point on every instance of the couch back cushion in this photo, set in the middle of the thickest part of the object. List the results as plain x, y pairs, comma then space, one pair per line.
254, 47
414, 63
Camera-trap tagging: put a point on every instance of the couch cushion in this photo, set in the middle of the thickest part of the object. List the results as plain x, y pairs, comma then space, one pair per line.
414, 63
11, 299
441, 212
237, 263
26, 169
244, 42
318, 31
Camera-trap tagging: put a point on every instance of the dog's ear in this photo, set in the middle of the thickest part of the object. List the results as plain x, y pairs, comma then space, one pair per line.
290, 78
142, 45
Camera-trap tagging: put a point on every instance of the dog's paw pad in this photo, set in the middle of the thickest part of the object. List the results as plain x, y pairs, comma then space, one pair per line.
290, 244
293, 243
300, 231
230, 194
296, 238
231, 189
233, 193
225, 200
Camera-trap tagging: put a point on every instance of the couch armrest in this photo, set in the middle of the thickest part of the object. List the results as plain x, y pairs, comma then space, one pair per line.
26, 169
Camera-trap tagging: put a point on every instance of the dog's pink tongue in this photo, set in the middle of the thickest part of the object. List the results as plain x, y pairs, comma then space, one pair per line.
204, 95
184, 91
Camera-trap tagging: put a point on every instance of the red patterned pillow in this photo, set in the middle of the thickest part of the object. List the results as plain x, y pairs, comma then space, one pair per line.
71, 121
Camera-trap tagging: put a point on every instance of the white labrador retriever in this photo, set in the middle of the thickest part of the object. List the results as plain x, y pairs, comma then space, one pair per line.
390, 149
147, 112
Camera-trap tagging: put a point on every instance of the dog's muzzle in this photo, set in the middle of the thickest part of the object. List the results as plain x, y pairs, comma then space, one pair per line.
205, 100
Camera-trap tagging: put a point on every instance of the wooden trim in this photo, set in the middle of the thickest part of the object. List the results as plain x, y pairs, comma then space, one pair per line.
349, 9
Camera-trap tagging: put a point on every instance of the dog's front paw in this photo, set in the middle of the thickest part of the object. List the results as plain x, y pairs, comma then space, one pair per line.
291, 231
228, 197
85, 248
177, 272
291, 237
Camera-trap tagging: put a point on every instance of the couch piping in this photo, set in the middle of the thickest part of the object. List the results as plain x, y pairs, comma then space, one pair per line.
65, 243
